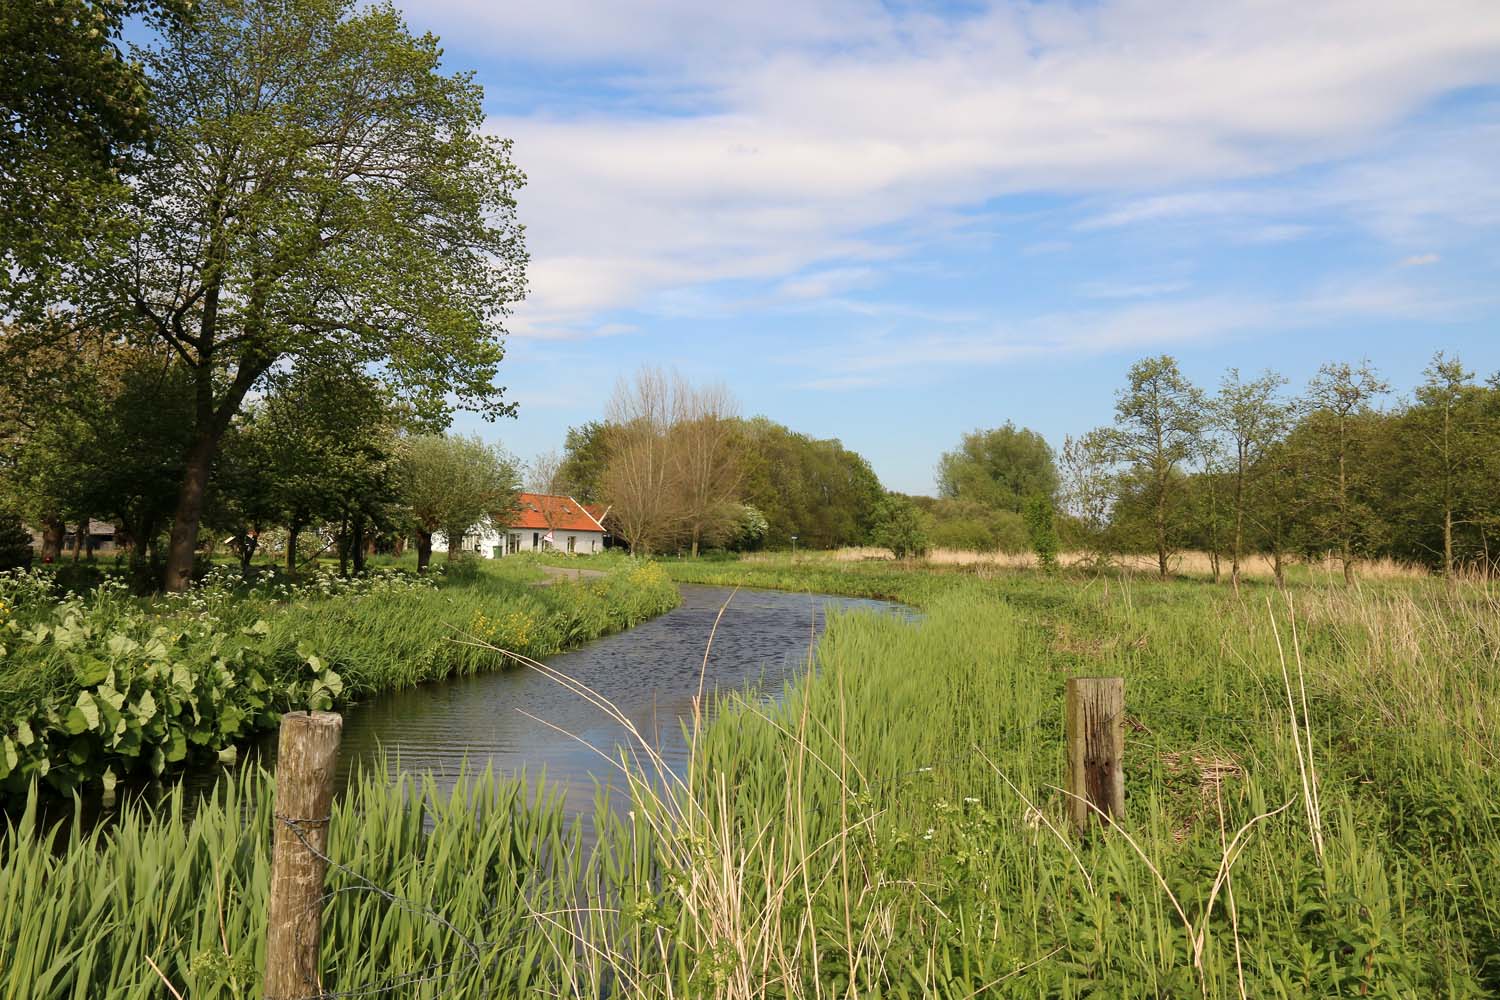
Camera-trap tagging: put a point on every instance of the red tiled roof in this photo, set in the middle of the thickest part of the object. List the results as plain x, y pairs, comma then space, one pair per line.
534, 510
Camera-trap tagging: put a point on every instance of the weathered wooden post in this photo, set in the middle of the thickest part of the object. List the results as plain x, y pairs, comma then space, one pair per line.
306, 759
1096, 748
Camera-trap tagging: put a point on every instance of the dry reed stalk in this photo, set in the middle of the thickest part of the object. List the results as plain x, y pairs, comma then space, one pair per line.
1186, 563
1304, 764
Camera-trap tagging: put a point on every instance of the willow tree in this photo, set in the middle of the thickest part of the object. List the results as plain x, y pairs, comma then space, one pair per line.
640, 480
317, 188
451, 484
706, 442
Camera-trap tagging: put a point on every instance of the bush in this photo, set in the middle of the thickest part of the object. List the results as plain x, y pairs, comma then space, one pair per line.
970, 526
1041, 532
899, 526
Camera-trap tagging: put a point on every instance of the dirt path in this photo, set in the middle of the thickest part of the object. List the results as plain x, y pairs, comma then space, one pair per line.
556, 573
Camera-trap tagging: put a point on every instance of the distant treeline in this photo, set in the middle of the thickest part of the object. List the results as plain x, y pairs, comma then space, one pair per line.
1338, 469
99, 428
678, 468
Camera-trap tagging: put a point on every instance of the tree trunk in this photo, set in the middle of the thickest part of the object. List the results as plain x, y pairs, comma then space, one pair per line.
696, 531
248, 544
1448, 542
140, 542
424, 550
292, 531
1276, 563
344, 546
78, 537
1161, 543
53, 530
357, 542
189, 513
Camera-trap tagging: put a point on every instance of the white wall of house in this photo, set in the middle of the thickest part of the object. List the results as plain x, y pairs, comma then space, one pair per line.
490, 543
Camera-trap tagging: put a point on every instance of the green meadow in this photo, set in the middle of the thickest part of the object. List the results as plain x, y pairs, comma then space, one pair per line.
1311, 812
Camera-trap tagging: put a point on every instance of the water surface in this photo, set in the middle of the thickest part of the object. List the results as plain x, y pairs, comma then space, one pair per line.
520, 720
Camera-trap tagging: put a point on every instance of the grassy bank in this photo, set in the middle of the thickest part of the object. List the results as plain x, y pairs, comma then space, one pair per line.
892, 827
97, 687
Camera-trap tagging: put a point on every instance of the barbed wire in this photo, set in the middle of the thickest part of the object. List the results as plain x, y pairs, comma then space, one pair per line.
474, 947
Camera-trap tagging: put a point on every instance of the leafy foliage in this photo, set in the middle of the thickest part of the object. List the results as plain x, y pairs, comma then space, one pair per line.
1041, 532
999, 468
899, 526
101, 687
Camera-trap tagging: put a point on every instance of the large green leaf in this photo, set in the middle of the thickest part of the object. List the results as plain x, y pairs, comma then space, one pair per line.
90, 671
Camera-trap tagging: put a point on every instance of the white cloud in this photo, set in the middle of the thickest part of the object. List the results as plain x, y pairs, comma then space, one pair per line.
1420, 260
810, 135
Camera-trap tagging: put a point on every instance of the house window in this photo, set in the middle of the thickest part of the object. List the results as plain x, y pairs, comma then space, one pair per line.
536, 539
513, 540
571, 540
593, 545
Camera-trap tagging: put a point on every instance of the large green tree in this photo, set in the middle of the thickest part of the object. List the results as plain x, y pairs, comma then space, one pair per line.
816, 489
585, 457
1001, 468
452, 483
317, 187
1159, 417
1447, 438
73, 116
898, 525
317, 449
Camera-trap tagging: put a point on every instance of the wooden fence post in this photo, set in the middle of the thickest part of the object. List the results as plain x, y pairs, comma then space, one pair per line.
306, 759
1096, 748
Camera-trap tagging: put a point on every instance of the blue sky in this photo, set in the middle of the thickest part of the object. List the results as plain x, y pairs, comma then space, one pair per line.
893, 223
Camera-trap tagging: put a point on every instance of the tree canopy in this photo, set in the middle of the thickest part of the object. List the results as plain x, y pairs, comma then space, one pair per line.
1000, 468
317, 189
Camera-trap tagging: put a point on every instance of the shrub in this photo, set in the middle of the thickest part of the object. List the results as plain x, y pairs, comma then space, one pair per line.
1041, 532
899, 526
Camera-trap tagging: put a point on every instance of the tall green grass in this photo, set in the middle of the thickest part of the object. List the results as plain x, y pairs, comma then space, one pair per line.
892, 826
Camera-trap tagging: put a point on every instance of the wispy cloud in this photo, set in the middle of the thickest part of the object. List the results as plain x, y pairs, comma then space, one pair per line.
811, 136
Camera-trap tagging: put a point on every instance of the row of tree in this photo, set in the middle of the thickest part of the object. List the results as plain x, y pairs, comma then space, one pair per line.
1251, 468
105, 434
1246, 469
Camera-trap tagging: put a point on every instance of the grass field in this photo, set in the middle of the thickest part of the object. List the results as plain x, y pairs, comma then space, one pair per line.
1313, 810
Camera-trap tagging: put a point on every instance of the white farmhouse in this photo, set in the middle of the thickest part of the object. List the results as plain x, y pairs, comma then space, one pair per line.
541, 522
